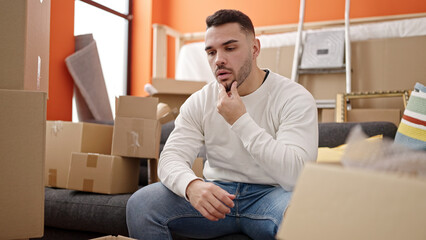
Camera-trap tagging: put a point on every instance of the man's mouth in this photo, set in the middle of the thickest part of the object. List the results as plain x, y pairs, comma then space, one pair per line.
222, 74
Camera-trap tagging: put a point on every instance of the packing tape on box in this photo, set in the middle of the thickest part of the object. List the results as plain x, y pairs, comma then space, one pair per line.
92, 160
38, 72
134, 136
56, 127
52, 178
134, 141
88, 185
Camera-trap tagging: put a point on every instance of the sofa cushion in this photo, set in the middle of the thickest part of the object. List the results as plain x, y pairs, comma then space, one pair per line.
75, 210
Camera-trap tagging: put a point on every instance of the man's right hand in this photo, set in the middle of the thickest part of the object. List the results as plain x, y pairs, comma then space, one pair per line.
210, 200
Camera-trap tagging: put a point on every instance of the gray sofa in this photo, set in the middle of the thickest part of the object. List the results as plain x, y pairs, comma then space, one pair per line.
80, 215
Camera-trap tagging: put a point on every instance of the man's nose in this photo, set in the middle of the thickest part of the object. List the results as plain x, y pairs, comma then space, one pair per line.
220, 59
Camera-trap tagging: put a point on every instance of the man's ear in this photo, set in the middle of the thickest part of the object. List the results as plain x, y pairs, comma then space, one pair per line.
256, 48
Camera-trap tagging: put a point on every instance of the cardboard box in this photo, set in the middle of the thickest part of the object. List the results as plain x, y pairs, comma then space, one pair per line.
387, 64
103, 173
369, 114
22, 154
365, 115
24, 44
110, 237
175, 92
136, 128
331, 202
63, 138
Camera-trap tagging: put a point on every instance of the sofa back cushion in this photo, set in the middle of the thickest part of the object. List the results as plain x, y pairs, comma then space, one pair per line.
334, 134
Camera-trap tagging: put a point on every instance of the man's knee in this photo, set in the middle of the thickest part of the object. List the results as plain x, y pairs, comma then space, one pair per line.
263, 229
141, 202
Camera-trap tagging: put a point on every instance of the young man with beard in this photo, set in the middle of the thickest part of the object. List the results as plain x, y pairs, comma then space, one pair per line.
259, 129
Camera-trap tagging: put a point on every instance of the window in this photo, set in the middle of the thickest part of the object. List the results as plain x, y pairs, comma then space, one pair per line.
111, 35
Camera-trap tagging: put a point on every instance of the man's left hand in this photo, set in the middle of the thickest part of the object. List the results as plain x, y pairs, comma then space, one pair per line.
229, 104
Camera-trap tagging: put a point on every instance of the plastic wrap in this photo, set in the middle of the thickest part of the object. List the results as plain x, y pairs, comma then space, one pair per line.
382, 155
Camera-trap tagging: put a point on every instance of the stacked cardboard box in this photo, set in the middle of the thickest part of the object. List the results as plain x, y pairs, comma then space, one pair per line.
24, 44
103, 173
24, 68
174, 92
64, 138
96, 157
137, 129
78, 157
22, 152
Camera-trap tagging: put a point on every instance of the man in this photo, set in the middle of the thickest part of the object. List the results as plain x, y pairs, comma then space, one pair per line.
259, 129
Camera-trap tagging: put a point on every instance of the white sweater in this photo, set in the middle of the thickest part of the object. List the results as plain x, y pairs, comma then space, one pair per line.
267, 145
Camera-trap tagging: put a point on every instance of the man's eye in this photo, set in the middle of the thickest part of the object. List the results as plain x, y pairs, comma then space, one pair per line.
211, 53
230, 48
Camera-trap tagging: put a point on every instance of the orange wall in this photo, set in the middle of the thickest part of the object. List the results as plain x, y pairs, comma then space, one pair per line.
59, 105
189, 15
146, 12
142, 45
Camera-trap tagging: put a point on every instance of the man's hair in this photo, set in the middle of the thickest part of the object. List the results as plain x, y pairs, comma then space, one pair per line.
230, 16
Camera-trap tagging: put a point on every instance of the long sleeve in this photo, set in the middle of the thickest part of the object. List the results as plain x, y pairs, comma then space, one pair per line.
181, 149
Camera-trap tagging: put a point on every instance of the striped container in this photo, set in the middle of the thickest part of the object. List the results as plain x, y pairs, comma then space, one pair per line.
412, 129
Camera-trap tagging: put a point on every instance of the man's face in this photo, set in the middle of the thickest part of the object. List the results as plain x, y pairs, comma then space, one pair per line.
229, 53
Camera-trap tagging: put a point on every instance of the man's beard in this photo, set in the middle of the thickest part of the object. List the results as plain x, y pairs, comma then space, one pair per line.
243, 73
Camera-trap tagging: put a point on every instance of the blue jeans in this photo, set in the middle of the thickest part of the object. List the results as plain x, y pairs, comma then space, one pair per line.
153, 212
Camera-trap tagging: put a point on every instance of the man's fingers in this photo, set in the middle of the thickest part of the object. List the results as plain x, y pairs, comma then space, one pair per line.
234, 90
222, 90
227, 200
217, 211
224, 197
219, 202
219, 208
207, 215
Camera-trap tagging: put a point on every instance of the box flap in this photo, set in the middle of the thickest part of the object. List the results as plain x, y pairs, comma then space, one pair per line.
137, 107
165, 114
